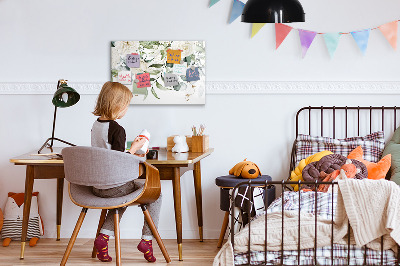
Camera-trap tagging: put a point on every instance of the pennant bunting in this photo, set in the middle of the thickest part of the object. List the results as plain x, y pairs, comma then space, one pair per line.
361, 37
213, 2
306, 39
332, 41
237, 9
281, 31
389, 30
256, 27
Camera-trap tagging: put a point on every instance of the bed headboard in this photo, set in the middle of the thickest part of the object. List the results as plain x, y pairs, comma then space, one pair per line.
344, 121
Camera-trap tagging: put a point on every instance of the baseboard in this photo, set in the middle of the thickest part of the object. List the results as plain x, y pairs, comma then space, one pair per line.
231, 87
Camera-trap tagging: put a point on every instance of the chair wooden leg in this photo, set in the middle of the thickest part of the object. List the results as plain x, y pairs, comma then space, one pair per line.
223, 229
73, 237
101, 222
154, 230
117, 239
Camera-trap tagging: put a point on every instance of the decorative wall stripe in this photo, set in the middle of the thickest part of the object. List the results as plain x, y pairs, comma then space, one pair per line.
233, 87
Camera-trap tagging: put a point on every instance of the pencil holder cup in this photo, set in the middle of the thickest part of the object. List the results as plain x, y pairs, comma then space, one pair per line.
152, 155
200, 143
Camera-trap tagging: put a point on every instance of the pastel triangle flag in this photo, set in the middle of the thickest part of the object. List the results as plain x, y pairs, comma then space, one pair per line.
332, 41
281, 31
237, 9
213, 2
256, 28
306, 39
361, 37
389, 30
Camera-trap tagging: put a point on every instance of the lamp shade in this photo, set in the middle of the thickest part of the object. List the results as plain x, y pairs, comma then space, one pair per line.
273, 11
65, 96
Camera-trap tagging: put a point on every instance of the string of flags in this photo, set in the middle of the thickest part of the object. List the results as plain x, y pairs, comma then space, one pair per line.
361, 37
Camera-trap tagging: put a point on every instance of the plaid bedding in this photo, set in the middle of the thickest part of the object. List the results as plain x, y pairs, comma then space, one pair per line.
372, 145
324, 257
323, 207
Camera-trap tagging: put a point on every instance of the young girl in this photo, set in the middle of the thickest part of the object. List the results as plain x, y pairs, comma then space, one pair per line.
112, 104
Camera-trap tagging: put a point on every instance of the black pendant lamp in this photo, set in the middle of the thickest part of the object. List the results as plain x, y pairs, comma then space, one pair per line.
273, 11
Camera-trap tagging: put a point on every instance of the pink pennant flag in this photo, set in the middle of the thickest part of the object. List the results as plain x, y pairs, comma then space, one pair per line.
306, 39
389, 30
281, 31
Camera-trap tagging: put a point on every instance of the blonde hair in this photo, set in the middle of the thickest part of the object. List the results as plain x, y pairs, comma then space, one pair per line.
112, 99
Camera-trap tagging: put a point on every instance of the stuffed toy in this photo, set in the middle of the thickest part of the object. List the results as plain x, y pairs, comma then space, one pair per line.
180, 144
375, 170
328, 164
348, 170
296, 174
245, 169
13, 215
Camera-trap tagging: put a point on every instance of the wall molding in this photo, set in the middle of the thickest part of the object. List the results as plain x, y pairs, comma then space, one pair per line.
232, 87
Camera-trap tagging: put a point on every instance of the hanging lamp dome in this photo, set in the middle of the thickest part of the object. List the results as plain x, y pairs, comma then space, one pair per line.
273, 11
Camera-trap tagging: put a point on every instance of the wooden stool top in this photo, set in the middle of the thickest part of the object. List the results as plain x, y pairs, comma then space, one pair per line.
230, 181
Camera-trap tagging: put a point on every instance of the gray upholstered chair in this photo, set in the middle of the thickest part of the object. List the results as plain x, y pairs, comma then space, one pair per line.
85, 167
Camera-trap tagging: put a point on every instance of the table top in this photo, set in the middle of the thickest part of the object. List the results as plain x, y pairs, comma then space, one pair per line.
164, 157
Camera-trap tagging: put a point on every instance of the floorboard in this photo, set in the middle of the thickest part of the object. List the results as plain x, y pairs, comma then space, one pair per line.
49, 252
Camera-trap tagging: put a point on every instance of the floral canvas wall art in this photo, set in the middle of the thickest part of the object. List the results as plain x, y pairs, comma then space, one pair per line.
160, 72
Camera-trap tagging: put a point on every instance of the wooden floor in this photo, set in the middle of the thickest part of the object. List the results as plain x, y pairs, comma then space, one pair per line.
50, 252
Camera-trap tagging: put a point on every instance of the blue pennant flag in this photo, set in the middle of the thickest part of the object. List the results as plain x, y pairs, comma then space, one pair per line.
213, 2
361, 37
237, 9
332, 41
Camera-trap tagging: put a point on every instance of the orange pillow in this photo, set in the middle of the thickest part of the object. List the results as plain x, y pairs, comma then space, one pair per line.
375, 170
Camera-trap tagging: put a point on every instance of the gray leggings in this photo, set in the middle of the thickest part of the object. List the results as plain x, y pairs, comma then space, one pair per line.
154, 208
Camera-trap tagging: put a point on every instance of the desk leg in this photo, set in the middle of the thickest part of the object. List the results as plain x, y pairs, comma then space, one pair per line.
60, 190
197, 189
176, 182
27, 206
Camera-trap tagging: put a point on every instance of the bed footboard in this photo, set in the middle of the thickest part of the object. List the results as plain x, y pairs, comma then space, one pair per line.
383, 258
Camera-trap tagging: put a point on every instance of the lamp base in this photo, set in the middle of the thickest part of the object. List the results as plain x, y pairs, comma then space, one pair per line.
50, 146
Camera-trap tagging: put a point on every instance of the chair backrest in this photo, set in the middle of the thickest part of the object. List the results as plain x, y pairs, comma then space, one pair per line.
92, 166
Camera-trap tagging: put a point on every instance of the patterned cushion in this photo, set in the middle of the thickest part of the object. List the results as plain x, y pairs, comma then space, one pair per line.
372, 144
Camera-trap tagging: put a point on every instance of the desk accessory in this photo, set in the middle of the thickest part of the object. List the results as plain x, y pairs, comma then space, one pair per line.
180, 144
152, 155
64, 96
171, 143
200, 143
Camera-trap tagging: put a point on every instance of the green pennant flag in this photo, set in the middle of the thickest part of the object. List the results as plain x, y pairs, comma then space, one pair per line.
213, 2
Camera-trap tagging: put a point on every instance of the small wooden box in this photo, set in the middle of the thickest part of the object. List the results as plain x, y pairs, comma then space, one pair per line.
200, 143
171, 143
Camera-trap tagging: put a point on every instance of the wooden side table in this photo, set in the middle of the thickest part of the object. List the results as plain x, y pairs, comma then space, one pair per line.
226, 183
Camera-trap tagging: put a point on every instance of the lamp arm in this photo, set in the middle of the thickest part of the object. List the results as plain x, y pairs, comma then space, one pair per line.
54, 126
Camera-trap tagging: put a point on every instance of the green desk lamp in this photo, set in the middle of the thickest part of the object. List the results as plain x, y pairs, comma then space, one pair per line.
65, 96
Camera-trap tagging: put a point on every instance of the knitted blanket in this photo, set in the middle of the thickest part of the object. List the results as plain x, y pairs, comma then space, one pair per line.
371, 207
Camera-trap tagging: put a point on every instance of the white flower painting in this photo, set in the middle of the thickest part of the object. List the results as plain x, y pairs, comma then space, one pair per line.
176, 69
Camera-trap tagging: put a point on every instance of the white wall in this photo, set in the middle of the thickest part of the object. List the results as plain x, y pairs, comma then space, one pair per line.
43, 41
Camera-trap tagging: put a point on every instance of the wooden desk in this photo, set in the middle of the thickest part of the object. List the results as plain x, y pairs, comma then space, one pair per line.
40, 167
171, 167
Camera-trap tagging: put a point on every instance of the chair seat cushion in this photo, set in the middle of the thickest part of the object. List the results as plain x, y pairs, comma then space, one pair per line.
83, 195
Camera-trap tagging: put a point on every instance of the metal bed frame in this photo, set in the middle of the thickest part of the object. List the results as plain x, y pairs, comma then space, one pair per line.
283, 184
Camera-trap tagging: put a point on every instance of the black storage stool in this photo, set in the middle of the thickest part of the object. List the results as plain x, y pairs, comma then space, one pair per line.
228, 182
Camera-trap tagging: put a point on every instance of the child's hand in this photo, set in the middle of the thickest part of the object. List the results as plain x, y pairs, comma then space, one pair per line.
137, 144
143, 155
